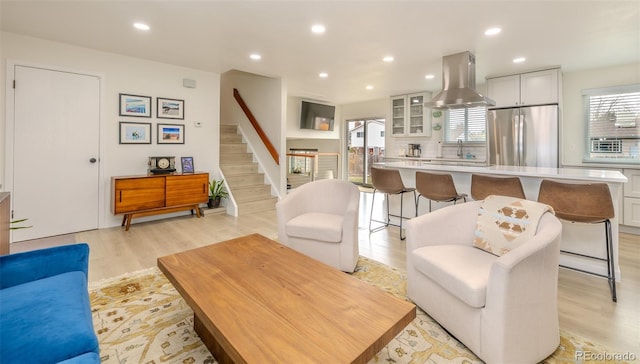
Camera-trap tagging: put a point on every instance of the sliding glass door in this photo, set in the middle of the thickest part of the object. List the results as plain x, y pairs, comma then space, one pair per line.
365, 147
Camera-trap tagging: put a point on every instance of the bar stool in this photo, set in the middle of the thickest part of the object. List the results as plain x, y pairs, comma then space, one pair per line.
584, 203
389, 182
483, 186
437, 187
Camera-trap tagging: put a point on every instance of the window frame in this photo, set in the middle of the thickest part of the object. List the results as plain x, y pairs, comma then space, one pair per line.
466, 140
601, 156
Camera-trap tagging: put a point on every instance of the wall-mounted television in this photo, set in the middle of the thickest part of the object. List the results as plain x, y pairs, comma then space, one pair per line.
316, 116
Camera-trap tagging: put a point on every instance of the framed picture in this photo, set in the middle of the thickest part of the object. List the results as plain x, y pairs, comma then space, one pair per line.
135, 133
170, 134
187, 164
170, 108
135, 105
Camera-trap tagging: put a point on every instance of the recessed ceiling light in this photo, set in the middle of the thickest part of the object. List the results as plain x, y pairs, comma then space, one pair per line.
255, 57
388, 59
492, 31
141, 26
369, 87
318, 29
323, 75
519, 60
430, 77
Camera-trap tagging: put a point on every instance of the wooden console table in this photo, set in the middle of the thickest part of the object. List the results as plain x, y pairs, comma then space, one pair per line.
138, 196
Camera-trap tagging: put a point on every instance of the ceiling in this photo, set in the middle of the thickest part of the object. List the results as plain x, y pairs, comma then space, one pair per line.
218, 36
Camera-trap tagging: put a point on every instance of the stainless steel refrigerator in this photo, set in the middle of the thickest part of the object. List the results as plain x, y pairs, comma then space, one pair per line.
523, 136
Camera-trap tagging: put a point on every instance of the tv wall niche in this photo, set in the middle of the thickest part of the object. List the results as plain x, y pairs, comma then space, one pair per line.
316, 116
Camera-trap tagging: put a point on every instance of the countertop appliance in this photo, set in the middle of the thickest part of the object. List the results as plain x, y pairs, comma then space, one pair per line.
523, 136
414, 150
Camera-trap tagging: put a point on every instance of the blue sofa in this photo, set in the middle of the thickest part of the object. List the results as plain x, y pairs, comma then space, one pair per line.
45, 313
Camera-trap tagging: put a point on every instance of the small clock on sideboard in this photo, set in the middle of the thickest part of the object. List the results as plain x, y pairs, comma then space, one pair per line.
162, 165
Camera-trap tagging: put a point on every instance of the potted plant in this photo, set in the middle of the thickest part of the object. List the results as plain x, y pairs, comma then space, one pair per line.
13, 227
216, 193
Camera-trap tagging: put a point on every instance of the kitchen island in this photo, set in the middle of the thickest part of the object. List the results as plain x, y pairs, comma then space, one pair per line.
581, 238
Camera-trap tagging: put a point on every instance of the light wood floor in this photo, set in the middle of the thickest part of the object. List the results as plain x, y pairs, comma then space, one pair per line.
584, 301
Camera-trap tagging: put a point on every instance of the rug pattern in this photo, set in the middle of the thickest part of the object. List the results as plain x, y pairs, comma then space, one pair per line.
141, 318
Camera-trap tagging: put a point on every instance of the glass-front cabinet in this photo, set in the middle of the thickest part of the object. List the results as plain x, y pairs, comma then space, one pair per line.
409, 116
417, 117
398, 112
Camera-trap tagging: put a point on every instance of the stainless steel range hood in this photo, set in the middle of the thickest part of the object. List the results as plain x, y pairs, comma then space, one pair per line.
459, 84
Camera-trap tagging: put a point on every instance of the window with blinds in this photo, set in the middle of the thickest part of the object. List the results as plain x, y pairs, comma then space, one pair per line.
467, 124
613, 118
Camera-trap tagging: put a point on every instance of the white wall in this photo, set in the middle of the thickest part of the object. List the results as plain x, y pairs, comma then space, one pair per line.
378, 108
266, 98
120, 74
573, 141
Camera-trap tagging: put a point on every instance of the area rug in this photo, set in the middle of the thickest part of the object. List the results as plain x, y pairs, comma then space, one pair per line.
140, 318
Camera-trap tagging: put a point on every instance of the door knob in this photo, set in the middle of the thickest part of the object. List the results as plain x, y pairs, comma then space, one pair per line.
93, 160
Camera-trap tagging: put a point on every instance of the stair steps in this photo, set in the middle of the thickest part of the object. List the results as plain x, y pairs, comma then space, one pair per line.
242, 174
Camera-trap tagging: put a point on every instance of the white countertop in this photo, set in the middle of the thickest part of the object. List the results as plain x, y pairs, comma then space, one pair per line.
578, 174
437, 160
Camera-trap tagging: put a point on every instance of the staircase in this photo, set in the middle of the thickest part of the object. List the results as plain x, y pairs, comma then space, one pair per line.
241, 173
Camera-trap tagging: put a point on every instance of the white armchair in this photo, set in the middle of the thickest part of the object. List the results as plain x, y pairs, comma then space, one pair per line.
504, 309
320, 220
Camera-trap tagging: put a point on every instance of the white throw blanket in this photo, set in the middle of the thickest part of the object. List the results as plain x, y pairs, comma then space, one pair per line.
504, 223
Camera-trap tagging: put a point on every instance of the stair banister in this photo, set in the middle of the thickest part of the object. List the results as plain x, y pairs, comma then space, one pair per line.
252, 119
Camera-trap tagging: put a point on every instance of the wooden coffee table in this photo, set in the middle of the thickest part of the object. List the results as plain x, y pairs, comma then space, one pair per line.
257, 301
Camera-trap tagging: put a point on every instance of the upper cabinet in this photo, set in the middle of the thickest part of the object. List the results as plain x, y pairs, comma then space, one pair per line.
505, 91
409, 117
531, 88
398, 114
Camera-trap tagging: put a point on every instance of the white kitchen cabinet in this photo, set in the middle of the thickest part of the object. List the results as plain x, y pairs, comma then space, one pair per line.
531, 88
398, 115
409, 117
505, 91
631, 200
632, 187
631, 211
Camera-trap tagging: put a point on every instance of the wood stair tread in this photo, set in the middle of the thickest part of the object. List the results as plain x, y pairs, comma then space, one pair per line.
242, 174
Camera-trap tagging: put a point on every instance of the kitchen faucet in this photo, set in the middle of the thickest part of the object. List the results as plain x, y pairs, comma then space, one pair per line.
459, 153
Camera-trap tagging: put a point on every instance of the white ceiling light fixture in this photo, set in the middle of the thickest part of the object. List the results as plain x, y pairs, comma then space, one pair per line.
388, 59
323, 75
519, 60
141, 26
255, 56
318, 29
430, 76
369, 87
492, 31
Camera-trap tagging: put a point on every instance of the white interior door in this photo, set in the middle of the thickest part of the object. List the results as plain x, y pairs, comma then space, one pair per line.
55, 152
